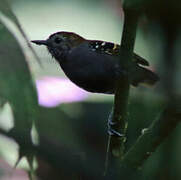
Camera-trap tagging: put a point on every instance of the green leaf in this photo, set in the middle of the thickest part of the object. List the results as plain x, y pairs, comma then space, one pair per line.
17, 88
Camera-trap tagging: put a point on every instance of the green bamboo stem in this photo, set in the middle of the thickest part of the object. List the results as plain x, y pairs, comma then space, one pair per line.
115, 148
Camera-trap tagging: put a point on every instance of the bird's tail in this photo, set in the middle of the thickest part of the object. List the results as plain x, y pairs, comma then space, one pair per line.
144, 76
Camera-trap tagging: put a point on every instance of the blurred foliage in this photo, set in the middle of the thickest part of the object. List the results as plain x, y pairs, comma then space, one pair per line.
17, 87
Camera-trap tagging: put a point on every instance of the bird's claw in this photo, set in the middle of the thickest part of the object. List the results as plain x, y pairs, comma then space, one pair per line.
115, 133
111, 131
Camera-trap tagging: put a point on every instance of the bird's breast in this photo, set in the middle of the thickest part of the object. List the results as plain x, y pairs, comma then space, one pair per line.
89, 70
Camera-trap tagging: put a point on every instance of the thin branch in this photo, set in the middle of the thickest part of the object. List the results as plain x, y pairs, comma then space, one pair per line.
122, 90
153, 136
119, 117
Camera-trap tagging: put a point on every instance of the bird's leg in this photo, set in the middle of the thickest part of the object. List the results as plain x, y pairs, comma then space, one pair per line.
111, 127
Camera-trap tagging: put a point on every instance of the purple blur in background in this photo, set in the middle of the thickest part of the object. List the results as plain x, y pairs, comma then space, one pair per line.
53, 91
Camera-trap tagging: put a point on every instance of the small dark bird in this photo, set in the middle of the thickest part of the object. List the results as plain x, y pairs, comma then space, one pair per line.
94, 65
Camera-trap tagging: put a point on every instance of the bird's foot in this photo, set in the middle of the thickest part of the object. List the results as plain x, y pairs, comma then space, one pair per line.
111, 128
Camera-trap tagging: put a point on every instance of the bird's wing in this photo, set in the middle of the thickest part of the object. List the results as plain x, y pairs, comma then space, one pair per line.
104, 47
113, 49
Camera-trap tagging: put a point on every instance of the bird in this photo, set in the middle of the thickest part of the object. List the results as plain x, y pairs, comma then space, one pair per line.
94, 65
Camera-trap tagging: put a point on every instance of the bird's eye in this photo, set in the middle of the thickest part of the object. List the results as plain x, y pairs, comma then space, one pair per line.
57, 40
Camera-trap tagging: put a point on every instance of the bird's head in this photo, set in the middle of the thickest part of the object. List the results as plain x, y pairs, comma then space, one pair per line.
60, 43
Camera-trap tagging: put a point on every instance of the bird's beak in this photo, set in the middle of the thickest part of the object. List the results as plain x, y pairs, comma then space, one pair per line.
40, 42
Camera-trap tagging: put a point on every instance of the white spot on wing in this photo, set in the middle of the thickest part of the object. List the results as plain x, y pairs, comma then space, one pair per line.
103, 44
